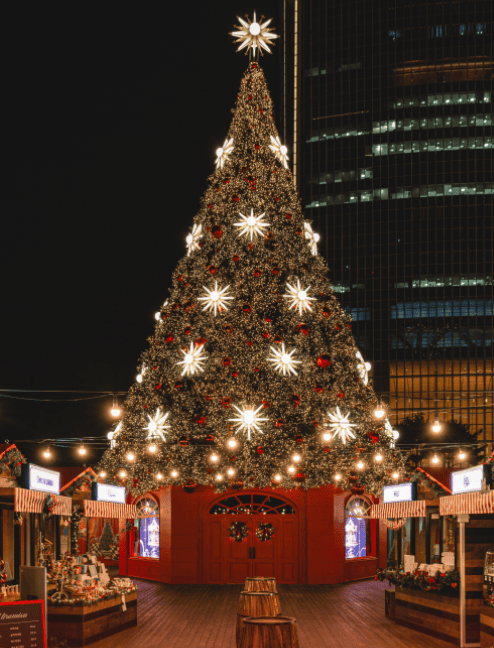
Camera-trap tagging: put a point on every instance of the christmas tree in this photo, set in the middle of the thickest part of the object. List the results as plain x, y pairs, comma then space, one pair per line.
252, 376
107, 539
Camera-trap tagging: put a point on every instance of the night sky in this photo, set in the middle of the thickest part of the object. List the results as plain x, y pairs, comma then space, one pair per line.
114, 119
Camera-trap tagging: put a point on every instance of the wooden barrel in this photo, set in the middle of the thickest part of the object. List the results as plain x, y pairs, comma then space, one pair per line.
269, 632
260, 584
256, 604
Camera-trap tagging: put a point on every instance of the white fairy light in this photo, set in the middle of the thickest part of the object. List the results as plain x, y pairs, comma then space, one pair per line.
251, 224
174, 473
280, 150
123, 474
219, 477
362, 368
231, 471
193, 359
389, 430
223, 153
248, 419
130, 456
337, 477
379, 412
214, 457
157, 315
395, 475
253, 35
360, 465
291, 469
326, 436
437, 426
300, 298
192, 239
156, 426
232, 443
277, 477
159, 476
341, 425
141, 374
152, 448
215, 299
102, 474
296, 458
283, 360
312, 237
378, 457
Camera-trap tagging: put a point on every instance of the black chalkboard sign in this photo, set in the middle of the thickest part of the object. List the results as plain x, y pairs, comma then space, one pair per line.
22, 624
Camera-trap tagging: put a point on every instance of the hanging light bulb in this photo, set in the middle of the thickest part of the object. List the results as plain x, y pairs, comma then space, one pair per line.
360, 465
231, 471
115, 410
174, 473
47, 453
378, 457
396, 435
130, 456
214, 457
102, 474
277, 477
326, 436
296, 457
159, 476
82, 450
232, 443
379, 412
123, 474
437, 427
462, 455
291, 469
395, 475
435, 459
152, 448
337, 477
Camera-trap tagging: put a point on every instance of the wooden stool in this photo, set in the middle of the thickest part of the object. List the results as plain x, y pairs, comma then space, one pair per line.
269, 632
256, 604
260, 584
389, 603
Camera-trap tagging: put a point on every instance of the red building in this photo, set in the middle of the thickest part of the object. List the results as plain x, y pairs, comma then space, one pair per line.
313, 540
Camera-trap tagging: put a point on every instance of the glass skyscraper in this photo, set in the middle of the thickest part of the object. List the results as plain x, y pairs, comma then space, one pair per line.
388, 112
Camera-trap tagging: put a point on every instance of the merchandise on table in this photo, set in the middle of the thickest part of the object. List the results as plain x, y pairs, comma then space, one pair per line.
489, 578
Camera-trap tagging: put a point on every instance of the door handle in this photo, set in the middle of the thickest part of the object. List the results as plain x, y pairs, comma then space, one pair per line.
253, 553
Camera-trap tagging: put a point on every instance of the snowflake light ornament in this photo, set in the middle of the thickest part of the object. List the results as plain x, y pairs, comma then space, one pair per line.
251, 224
340, 425
362, 368
193, 359
192, 240
215, 299
113, 434
280, 150
141, 374
156, 426
312, 237
283, 361
223, 153
254, 35
248, 419
299, 297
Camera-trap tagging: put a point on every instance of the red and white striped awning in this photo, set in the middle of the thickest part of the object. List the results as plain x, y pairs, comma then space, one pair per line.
473, 503
109, 510
31, 501
399, 510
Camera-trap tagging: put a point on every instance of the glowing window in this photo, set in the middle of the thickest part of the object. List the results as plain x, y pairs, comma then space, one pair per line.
147, 529
357, 528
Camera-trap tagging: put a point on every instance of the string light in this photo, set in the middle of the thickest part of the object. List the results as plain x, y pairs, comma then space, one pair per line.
379, 412
360, 465
337, 477
159, 476
396, 435
152, 448
435, 459
82, 450
214, 457
277, 477
232, 443
437, 426
174, 473
296, 457
123, 474
291, 469
47, 453
130, 456
231, 471
462, 455
395, 475
378, 457
102, 474
326, 436
219, 477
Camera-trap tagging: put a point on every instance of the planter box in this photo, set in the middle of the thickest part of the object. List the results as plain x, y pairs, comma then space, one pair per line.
80, 625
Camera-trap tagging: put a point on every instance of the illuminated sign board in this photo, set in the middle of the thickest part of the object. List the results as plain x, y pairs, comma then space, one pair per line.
467, 481
107, 493
42, 479
399, 493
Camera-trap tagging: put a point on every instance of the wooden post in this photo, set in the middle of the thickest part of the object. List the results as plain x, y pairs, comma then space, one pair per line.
463, 626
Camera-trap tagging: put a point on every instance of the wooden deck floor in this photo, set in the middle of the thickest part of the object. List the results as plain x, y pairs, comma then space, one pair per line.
203, 616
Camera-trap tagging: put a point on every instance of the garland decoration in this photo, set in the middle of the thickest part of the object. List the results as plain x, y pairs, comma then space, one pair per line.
265, 531
3, 572
238, 531
12, 460
18, 519
129, 525
74, 531
419, 579
394, 523
49, 505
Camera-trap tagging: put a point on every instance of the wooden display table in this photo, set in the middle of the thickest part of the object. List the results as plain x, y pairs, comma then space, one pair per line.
80, 625
486, 627
437, 615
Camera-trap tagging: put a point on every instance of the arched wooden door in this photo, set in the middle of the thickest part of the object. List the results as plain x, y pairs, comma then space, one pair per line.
266, 543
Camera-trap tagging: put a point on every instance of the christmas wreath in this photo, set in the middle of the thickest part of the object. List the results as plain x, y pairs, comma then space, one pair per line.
265, 531
49, 505
238, 531
419, 579
13, 460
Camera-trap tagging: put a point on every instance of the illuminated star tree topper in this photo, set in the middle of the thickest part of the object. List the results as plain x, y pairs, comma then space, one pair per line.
254, 35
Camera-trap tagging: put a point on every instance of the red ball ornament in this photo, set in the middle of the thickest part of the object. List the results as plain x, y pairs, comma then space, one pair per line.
227, 362
257, 147
209, 438
300, 477
315, 423
183, 441
349, 327
169, 339
358, 490
179, 278
326, 312
256, 369
228, 329
323, 361
200, 341
299, 231
289, 216
209, 471
373, 436
246, 308
179, 385
213, 270
232, 458
257, 272
187, 330
249, 343
210, 205
226, 402
235, 198
236, 258
279, 423
216, 231
327, 449
275, 270
265, 334
189, 486
318, 389
200, 420
268, 319
278, 339
157, 386
303, 328
341, 394
234, 374
299, 439
260, 450
295, 398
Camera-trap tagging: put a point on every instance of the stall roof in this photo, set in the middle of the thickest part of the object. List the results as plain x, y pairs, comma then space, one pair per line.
438, 477
73, 474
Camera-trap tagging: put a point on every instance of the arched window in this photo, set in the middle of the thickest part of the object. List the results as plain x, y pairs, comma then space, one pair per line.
252, 504
147, 528
357, 527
